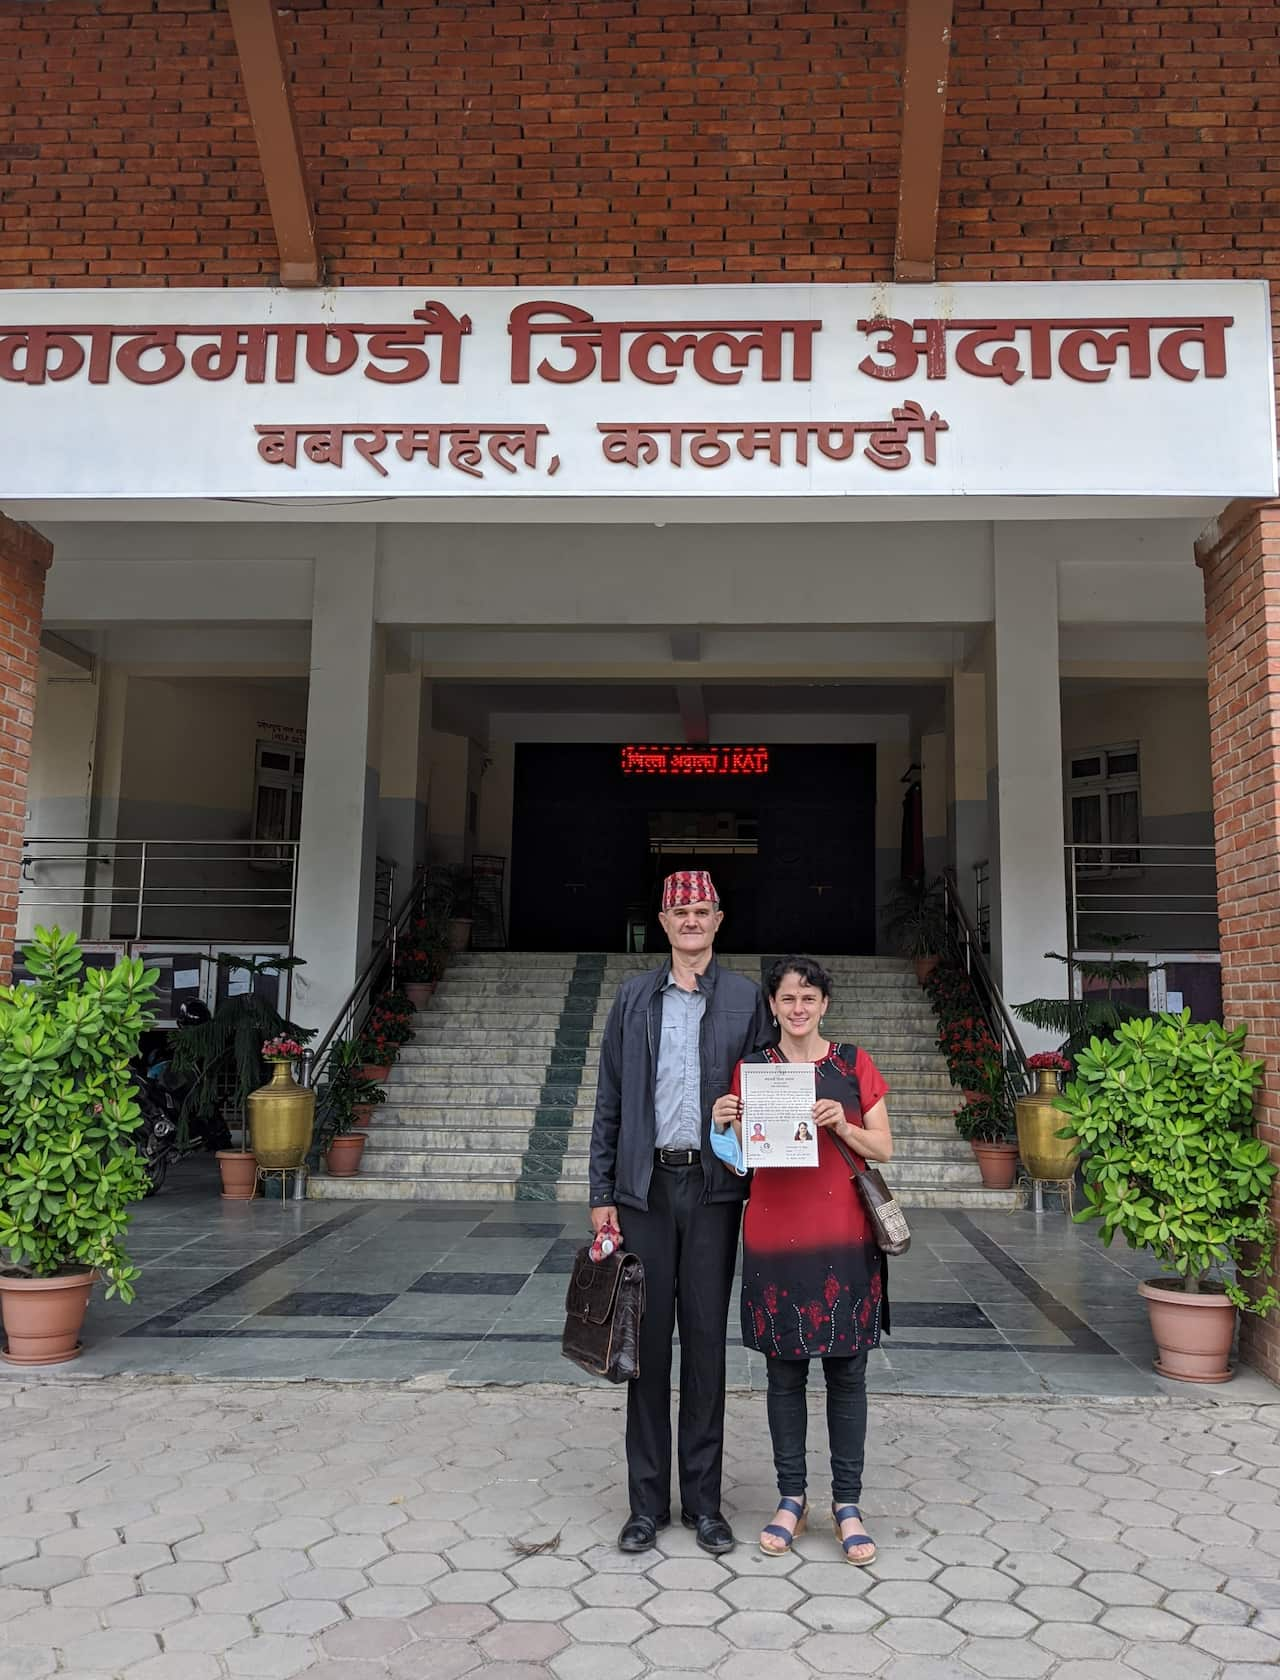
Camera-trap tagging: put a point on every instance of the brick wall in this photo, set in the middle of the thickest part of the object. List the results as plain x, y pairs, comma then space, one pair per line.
638, 140
1241, 561
24, 559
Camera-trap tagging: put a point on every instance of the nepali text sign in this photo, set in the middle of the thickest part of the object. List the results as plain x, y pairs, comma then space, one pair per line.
1159, 388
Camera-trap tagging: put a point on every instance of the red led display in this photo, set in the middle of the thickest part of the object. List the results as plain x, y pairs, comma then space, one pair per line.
695, 761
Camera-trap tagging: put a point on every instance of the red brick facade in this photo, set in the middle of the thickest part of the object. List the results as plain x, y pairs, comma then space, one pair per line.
24, 560
1240, 556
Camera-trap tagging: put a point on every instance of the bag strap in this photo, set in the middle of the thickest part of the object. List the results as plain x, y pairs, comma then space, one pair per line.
849, 1053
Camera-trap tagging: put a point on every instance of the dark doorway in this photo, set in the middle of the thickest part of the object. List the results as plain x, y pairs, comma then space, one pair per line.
791, 850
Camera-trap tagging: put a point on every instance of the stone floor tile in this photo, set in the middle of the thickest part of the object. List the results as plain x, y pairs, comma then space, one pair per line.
761, 1630
1110, 1587
923, 1636
1040, 1569
178, 1665
402, 1569
453, 1621
240, 1598
294, 1533
582, 1662
84, 1542
1138, 1621
49, 1625
625, 1591
964, 1550
348, 1551
834, 1580
909, 1598
205, 1632
1213, 1607
686, 1609
843, 1653
470, 1586
21, 1662
926, 1668
214, 1548
1238, 1644
39, 1574
1158, 1662
756, 1593
1006, 1659
383, 1603
1059, 1604
698, 1649
693, 1574
970, 1581
368, 1639
1083, 1641
192, 1578
151, 1611
449, 1659
304, 1616
763, 1665
523, 1642
110, 1649
536, 1604
270, 1656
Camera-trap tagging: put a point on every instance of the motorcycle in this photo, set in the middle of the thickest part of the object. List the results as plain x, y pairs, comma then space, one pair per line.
156, 1138
163, 1136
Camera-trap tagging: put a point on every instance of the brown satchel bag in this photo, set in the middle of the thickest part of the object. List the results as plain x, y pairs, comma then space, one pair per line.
888, 1222
603, 1306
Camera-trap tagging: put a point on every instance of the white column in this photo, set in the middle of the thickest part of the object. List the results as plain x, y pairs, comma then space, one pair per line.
1029, 913
404, 774
338, 852
967, 781
59, 798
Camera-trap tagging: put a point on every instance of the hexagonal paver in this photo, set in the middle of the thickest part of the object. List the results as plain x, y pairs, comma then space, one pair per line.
607, 1627
367, 1640
150, 1610
188, 1578
204, 1632
625, 1591
909, 1598
348, 1551
762, 1593
1059, 1604
1008, 1659
696, 1650
128, 1560
304, 1616
271, 1656
469, 1586
838, 1615
531, 1642
1139, 1621
1079, 1641
686, 1609
582, 1662
920, 1636
989, 1620
111, 1649
39, 1574
405, 1569
834, 1654
453, 1621
691, 1574
294, 1533
975, 1582
547, 1572
761, 1630
1238, 1644
535, 1604
1158, 1662
388, 1603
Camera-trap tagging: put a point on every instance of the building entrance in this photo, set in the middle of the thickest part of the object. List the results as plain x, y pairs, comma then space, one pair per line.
788, 833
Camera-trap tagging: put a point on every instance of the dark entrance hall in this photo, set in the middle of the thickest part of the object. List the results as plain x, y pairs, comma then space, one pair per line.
788, 833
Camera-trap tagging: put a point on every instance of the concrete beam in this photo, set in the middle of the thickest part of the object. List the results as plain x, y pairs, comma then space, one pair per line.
925, 61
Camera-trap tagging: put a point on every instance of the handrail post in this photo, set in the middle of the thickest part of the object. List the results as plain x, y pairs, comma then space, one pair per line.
142, 892
307, 1072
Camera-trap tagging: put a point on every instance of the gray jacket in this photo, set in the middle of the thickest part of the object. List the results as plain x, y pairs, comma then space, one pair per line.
735, 1023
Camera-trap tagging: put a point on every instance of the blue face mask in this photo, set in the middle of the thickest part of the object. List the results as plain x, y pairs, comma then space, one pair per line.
725, 1147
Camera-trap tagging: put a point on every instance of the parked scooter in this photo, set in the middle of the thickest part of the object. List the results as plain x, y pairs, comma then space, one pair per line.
163, 1138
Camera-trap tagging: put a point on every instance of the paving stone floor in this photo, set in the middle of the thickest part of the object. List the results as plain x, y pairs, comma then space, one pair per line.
991, 1304
153, 1530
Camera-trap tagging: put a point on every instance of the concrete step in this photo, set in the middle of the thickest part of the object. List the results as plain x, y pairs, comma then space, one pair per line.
465, 1046
639, 961
368, 1187
910, 1138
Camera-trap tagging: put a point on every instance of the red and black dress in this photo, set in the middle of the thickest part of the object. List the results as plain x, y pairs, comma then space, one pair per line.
814, 1283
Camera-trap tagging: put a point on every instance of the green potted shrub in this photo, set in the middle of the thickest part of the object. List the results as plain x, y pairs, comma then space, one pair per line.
915, 922
986, 1124
69, 1170
345, 1091
389, 1026
1163, 1111
222, 1060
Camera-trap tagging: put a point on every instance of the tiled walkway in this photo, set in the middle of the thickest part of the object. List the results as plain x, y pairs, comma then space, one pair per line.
991, 1304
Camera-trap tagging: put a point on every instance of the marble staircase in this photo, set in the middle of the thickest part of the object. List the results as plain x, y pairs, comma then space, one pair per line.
492, 1100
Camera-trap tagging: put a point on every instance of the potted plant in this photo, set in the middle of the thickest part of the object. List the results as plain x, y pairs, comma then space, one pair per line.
1045, 1153
281, 1114
1164, 1112
1099, 1011
986, 1122
414, 966
460, 919
388, 1026
69, 1171
365, 1094
222, 1060
341, 1143
915, 921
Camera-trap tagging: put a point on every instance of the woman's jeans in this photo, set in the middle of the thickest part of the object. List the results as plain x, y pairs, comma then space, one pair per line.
846, 1424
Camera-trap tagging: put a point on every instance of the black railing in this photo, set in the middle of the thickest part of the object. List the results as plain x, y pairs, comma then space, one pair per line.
967, 947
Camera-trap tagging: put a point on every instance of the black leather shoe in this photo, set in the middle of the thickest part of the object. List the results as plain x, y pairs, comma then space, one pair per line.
712, 1532
640, 1533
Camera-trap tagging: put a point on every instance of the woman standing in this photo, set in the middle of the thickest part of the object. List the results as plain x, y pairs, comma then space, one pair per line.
813, 1279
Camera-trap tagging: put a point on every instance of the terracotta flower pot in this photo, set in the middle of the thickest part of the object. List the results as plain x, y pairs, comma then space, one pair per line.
1192, 1333
343, 1155
42, 1317
376, 1070
925, 967
362, 1113
239, 1172
997, 1162
419, 992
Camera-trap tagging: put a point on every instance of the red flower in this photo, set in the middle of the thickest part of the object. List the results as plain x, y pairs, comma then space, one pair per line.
832, 1290
771, 1298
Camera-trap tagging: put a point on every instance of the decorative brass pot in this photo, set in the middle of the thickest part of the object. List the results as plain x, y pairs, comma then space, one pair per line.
1044, 1154
281, 1119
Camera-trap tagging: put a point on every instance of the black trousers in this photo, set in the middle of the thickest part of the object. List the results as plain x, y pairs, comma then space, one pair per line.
688, 1248
846, 1424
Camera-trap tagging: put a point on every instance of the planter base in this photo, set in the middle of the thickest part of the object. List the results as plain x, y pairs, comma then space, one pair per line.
42, 1318
1193, 1333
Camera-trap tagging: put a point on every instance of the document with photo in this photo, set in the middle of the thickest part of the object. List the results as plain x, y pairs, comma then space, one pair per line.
777, 1115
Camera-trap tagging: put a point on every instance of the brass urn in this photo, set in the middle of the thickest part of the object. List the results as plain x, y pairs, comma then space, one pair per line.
1045, 1155
282, 1117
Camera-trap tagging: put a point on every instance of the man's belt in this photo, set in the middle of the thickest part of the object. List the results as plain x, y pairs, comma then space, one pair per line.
677, 1157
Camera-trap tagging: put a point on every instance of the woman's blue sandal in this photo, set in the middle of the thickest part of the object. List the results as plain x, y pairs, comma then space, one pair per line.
797, 1508
850, 1543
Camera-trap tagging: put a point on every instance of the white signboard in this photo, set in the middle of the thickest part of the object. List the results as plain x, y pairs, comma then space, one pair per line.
1160, 388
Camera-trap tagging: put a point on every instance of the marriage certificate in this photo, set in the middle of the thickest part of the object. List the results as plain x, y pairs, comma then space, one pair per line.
777, 1115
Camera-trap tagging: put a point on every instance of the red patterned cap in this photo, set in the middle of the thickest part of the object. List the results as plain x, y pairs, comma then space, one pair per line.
688, 886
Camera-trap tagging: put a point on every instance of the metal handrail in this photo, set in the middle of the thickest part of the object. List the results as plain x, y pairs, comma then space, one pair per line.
1133, 862
351, 1014
968, 948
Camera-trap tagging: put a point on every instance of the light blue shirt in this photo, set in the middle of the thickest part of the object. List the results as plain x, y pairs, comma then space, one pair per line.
677, 1086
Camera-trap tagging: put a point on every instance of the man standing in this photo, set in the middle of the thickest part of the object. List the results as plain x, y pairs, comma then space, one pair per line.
671, 1043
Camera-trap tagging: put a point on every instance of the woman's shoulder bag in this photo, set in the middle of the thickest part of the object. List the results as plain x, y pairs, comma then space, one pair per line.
888, 1222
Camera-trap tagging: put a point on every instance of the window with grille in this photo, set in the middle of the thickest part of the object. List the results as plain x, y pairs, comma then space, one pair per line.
1104, 807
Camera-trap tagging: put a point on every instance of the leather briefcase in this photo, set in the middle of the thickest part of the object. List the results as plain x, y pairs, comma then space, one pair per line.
603, 1306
